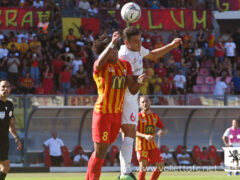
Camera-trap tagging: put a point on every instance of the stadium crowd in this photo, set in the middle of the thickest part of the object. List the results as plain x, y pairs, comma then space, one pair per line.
41, 62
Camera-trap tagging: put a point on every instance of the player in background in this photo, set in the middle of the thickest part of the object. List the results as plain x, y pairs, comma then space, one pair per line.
231, 138
133, 52
7, 124
146, 147
112, 76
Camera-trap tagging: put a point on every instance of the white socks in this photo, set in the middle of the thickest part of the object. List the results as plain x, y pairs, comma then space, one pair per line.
125, 155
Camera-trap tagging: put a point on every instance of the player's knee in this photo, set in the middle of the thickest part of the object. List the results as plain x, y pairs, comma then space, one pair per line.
101, 150
160, 166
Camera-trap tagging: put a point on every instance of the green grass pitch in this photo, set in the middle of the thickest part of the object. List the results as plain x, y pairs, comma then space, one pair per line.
112, 176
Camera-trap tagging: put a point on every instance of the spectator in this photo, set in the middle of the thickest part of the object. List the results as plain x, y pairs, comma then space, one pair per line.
236, 83
34, 70
84, 6
54, 144
220, 87
65, 79
93, 11
177, 55
161, 70
23, 46
216, 68
204, 158
219, 50
13, 65
168, 157
3, 62
192, 72
76, 63
180, 82
166, 86
201, 40
198, 53
27, 84
236, 38
48, 80
211, 44
81, 76
44, 25
184, 158
230, 48
189, 51
38, 4
57, 65
80, 159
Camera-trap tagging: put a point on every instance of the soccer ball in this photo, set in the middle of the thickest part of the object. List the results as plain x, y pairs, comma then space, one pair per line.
126, 177
131, 12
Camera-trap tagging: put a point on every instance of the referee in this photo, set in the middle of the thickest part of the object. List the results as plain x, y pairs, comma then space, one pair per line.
7, 125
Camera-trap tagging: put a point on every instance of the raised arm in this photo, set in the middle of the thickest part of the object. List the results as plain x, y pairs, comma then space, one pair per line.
159, 52
104, 56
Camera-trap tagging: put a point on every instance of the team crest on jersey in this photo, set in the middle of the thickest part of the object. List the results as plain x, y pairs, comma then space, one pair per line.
2, 114
154, 120
111, 69
144, 120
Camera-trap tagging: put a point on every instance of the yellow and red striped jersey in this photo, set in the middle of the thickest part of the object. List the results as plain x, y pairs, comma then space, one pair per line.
147, 124
111, 86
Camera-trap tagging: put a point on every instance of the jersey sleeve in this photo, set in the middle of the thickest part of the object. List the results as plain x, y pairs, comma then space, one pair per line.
227, 132
144, 51
46, 142
159, 122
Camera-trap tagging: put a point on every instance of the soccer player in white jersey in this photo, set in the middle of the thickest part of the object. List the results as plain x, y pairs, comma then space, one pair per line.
133, 52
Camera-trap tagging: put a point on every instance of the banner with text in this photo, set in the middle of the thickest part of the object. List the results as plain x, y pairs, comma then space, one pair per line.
21, 18
228, 5
173, 19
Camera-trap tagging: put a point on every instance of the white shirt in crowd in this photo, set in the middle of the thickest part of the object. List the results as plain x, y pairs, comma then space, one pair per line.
220, 88
39, 4
78, 157
3, 53
135, 59
13, 68
230, 48
84, 5
54, 146
76, 64
166, 156
198, 52
180, 80
183, 162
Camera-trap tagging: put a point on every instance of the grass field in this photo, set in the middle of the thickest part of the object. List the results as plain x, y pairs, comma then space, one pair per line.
112, 176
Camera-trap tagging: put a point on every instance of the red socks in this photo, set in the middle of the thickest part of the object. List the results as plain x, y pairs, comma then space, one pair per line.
155, 174
94, 168
141, 175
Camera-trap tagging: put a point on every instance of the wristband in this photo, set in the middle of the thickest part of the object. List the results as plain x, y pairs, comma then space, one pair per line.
111, 45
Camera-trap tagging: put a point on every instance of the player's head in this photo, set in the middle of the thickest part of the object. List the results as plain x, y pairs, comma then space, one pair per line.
54, 134
4, 88
132, 38
235, 123
144, 103
100, 44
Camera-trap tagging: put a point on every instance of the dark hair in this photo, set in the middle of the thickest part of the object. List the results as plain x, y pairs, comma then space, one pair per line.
129, 32
100, 44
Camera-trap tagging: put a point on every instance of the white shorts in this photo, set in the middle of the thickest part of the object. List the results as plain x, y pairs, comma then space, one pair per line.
130, 112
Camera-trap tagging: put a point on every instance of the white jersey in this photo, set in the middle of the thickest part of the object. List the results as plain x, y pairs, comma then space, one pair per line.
130, 104
135, 59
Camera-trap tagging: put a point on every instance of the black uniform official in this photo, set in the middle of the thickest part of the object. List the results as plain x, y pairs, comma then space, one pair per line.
6, 113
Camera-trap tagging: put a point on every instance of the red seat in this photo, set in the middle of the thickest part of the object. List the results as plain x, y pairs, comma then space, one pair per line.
162, 148
205, 89
113, 152
66, 159
196, 89
200, 80
196, 152
204, 72
47, 159
214, 155
178, 149
209, 80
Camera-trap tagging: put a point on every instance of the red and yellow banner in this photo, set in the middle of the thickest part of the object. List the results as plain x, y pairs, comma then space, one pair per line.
228, 5
80, 23
174, 19
21, 18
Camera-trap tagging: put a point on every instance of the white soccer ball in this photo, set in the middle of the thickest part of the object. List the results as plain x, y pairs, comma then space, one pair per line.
131, 12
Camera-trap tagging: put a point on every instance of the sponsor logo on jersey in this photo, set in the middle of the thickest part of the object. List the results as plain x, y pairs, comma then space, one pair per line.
118, 82
149, 129
2, 114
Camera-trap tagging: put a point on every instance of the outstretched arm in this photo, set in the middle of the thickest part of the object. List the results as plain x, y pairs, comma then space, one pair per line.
13, 131
159, 52
103, 57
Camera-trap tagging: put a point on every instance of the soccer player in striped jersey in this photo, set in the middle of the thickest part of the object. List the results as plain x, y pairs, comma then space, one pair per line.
147, 150
112, 76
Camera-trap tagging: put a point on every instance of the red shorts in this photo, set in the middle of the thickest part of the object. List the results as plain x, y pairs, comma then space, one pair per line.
152, 156
105, 127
